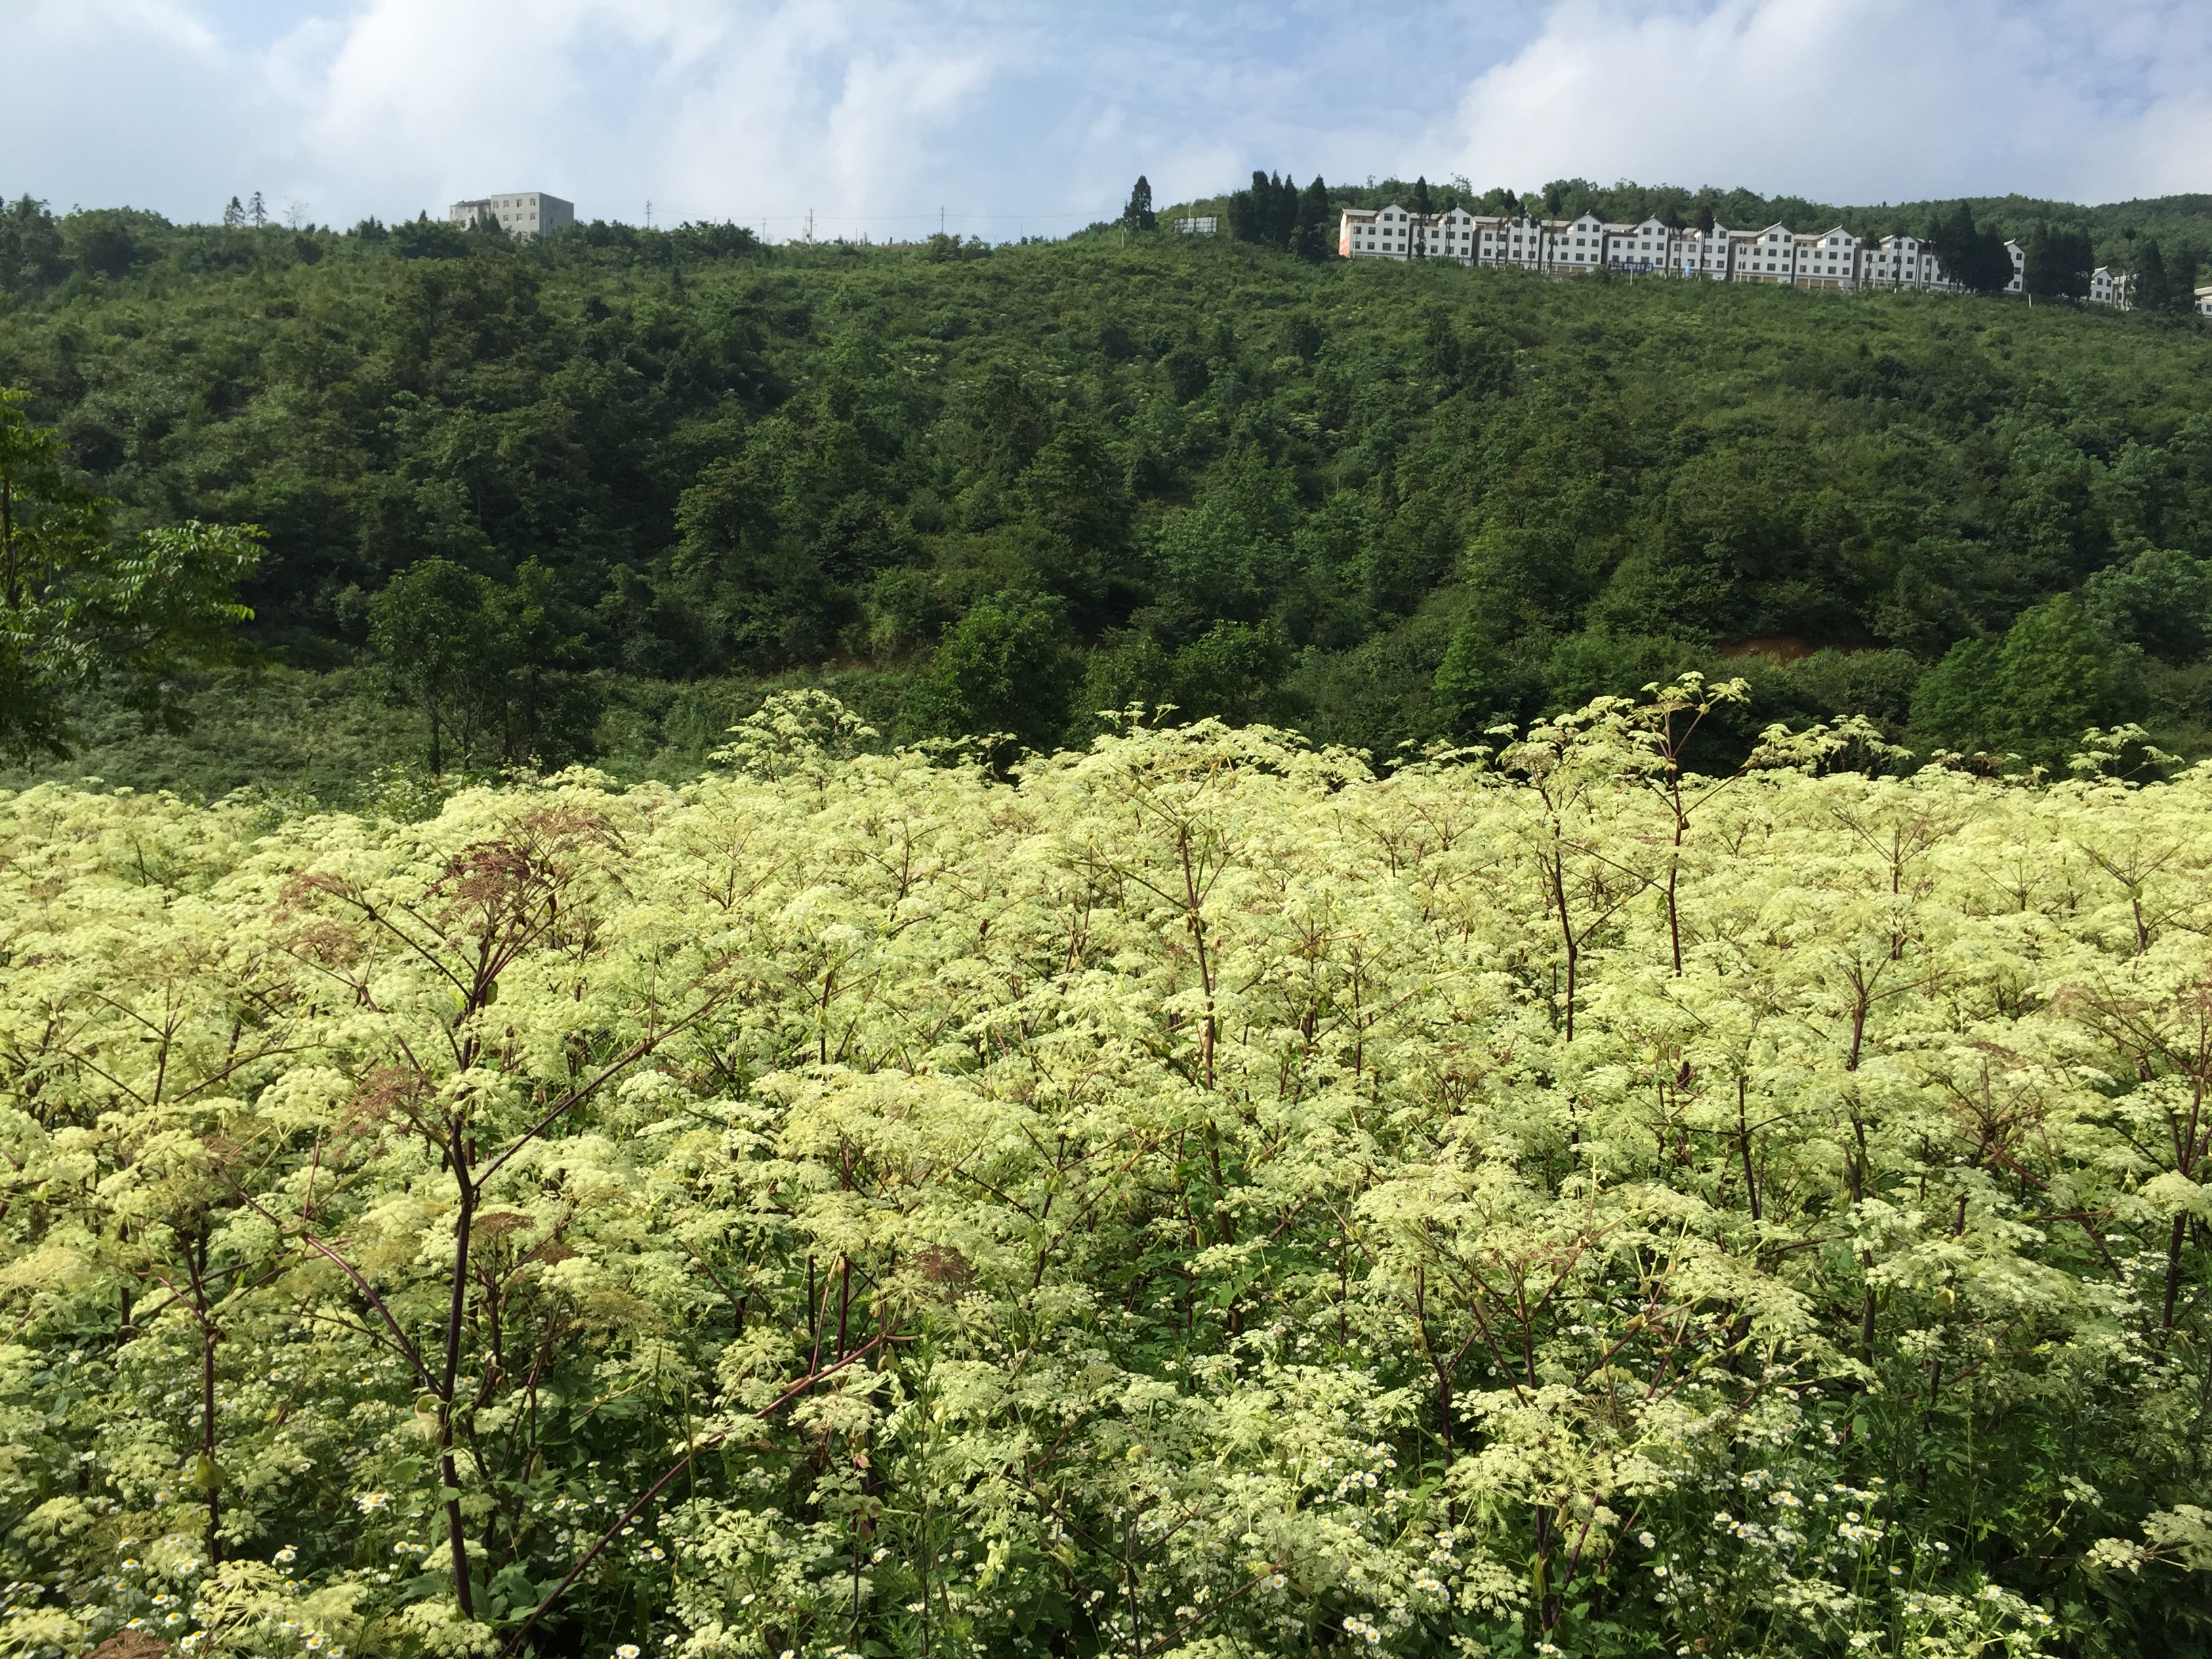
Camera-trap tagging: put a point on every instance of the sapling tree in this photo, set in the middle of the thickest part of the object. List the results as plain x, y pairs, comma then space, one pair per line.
437, 630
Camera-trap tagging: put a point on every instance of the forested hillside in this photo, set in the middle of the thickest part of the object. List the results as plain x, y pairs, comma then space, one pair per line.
590, 498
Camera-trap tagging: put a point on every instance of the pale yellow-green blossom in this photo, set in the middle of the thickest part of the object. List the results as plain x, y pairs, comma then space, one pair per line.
1200, 1194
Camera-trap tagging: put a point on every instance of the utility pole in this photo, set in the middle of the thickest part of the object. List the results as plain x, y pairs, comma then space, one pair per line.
648, 213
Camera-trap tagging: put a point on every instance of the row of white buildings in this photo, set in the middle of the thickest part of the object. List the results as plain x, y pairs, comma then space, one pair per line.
1830, 259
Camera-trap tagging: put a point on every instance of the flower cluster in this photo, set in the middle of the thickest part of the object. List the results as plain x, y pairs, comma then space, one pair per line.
1199, 1191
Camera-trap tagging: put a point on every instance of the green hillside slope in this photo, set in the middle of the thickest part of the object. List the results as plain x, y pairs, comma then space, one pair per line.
999, 489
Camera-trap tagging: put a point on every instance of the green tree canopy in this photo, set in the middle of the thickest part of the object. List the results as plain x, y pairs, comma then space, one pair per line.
1311, 240
491, 669
435, 627
2154, 290
2059, 261
2054, 675
80, 608
1139, 215
1972, 256
2160, 600
32, 259
1003, 669
2183, 270
2057, 675
1266, 213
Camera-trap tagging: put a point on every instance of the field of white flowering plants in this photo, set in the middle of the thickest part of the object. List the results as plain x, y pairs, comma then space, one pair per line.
1194, 1197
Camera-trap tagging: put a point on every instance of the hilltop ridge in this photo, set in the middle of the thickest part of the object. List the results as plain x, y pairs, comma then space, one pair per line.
999, 489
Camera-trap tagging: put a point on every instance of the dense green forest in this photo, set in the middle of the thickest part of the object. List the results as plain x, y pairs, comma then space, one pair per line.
589, 498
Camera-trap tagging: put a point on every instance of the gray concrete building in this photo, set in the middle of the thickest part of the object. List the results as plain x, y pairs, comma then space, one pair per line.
523, 213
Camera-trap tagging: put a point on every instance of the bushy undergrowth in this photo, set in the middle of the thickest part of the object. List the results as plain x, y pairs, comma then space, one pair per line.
1195, 1198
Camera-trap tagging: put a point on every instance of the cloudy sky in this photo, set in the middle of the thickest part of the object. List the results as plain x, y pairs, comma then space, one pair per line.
1013, 116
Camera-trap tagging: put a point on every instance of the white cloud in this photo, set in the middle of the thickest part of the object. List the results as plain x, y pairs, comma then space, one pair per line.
873, 112
76, 77
1012, 114
1850, 101
842, 108
744, 108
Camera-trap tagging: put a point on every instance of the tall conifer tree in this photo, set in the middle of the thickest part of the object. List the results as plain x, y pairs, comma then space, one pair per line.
1139, 215
2153, 290
1309, 240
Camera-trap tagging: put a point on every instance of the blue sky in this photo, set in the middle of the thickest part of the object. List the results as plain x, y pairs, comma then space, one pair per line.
1012, 116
